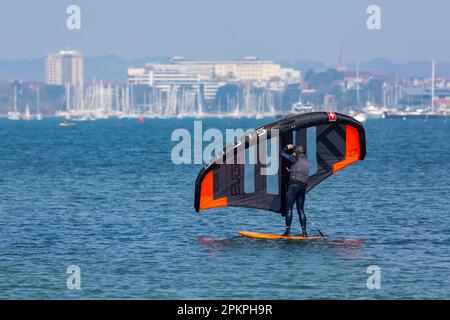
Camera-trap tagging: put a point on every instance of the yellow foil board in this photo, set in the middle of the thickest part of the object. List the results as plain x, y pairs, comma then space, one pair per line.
274, 236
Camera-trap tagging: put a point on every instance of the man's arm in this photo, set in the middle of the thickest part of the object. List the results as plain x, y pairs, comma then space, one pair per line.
288, 157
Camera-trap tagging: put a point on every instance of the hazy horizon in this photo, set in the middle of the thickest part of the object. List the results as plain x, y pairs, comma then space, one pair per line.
293, 60
285, 30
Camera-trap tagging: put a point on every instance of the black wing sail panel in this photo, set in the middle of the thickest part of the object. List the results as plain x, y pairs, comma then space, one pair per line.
330, 149
336, 142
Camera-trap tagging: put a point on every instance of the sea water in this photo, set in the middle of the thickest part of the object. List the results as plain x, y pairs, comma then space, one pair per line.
105, 197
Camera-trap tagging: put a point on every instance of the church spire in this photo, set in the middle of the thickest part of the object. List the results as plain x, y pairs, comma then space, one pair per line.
342, 66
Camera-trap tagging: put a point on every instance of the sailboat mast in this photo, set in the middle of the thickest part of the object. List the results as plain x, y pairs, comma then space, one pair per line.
15, 98
68, 97
199, 102
433, 84
396, 90
358, 105
38, 107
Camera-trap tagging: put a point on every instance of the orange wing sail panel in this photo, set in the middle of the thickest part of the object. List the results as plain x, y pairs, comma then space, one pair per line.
352, 149
207, 200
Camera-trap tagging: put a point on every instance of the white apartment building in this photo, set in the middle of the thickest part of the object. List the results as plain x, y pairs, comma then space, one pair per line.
250, 69
210, 75
64, 68
167, 76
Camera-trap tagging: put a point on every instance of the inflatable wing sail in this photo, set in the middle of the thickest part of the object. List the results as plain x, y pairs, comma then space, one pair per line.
332, 141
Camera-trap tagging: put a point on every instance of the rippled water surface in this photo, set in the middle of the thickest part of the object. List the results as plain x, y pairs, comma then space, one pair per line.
106, 197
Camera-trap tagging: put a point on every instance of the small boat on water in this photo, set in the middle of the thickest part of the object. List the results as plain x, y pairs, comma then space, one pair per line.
361, 117
27, 115
14, 114
67, 124
374, 112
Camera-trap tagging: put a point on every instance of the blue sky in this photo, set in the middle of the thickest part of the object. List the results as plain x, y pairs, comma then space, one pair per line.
224, 29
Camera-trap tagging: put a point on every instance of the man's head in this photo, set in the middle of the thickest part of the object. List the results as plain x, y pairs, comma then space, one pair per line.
299, 150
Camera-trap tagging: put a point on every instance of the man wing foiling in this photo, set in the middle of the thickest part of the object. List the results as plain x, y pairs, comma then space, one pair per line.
296, 186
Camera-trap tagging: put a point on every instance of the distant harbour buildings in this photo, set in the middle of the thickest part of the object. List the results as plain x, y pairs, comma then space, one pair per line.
209, 76
177, 88
249, 87
192, 87
165, 77
181, 71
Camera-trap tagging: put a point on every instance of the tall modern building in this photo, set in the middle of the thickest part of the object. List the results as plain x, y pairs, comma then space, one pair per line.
64, 68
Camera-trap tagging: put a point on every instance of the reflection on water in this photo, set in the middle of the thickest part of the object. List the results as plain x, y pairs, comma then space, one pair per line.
349, 248
213, 246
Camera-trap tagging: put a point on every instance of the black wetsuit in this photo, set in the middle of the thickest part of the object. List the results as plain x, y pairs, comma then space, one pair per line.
299, 173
